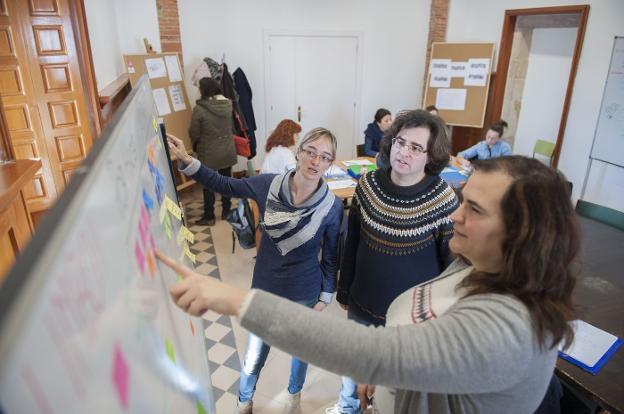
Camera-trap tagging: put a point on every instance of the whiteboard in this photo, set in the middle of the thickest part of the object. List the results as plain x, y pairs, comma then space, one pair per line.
609, 137
87, 325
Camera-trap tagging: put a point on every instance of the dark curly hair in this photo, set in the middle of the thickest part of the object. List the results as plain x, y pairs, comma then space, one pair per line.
438, 145
541, 243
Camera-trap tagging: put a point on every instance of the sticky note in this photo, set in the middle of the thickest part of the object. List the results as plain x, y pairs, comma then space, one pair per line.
159, 142
151, 263
151, 153
138, 254
154, 124
201, 409
170, 351
168, 226
185, 234
120, 375
147, 200
173, 208
162, 213
188, 252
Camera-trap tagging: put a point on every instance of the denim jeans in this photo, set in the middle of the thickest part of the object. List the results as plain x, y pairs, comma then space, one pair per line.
257, 353
348, 401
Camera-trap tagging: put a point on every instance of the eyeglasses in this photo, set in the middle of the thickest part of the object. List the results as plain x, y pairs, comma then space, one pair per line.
311, 155
411, 148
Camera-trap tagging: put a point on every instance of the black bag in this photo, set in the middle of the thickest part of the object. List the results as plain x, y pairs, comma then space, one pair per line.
241, 221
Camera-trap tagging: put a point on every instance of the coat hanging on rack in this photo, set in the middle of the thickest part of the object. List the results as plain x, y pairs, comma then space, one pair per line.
244, 101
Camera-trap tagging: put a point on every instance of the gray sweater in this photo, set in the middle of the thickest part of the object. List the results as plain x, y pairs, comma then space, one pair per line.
481, 356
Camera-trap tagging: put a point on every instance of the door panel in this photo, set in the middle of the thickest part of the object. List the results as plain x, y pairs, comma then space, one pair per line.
42, 93
318, 75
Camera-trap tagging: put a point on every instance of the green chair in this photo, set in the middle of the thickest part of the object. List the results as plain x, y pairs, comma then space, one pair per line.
544, 148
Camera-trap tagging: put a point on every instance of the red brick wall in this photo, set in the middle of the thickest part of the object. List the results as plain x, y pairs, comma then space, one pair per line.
438, 20
169, 26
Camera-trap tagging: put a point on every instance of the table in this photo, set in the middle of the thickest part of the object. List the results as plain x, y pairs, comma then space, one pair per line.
599, 294
452, 174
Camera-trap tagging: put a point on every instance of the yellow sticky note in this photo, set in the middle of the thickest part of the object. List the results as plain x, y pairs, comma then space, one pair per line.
154, 124
168, 226
170, 351
188, 252
173, 208
201, 409
185, 234
163, 211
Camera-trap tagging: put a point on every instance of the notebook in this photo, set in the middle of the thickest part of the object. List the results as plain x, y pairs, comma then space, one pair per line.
592, 347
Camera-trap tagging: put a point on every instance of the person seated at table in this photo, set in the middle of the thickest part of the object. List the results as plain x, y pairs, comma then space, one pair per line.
398, 225
279, 157
491, 147
480, 338
375, 130
432, 109
297, 257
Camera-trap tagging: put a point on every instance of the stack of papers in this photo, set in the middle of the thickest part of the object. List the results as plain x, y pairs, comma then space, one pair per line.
592, 347
335, 172
349, 163
338, 184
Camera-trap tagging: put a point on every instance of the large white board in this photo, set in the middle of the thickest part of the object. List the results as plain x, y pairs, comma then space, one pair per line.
609, 137
87, 325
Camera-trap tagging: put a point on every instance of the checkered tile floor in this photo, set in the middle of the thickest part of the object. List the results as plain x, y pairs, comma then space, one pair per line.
220, 343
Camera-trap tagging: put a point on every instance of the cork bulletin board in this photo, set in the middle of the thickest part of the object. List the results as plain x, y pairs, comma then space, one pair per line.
458, 81
167, 82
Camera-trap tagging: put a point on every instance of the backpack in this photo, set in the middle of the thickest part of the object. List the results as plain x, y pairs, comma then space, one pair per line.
241, 221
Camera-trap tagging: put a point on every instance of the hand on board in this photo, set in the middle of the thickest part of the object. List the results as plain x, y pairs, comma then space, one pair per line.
177, 149
196, 294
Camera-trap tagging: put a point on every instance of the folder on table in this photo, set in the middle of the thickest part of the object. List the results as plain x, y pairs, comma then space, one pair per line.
592, 347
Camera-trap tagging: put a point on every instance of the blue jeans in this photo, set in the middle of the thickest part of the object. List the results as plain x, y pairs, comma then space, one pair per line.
257, 353
348, 401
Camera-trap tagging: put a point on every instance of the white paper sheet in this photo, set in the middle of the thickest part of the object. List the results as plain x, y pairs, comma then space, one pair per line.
349, 163
335, 172
590, 343
451, 99
440, 71
477, 72
177, 97
440, 80
173, 68
156, 68
162, 103
458, 69
338, 184
439, 66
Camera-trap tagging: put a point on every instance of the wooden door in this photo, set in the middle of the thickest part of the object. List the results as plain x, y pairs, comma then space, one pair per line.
42, 92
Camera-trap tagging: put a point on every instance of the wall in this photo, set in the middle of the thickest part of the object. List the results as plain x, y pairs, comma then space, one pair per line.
394, 44
550, 58
118, 27
481, 20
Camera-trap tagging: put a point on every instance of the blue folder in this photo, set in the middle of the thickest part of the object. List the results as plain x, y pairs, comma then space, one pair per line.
601, 362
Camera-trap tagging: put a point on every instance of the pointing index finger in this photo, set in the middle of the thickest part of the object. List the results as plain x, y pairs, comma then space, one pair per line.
174, 265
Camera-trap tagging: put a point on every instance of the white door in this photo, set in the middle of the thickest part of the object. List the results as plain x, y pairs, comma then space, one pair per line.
313, 80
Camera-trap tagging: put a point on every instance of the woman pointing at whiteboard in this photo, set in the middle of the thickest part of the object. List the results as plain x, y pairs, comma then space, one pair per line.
300, 218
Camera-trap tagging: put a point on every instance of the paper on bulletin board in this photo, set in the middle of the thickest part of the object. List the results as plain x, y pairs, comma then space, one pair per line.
177, 98
451, 99
439, 66
458, 69
173, 68
162, 103
440, 73
477, 72
156, 68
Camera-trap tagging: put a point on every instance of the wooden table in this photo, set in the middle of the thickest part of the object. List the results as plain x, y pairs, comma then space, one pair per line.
16, 225
347, 193
599, 294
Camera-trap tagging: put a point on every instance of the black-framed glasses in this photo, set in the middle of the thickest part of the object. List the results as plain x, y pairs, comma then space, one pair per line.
413, 149
311, 155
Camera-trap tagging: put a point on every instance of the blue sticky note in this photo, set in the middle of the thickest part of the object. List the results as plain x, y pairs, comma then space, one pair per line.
147, 200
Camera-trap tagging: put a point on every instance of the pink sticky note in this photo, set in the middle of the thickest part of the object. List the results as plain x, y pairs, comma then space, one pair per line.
120, 375
138, 253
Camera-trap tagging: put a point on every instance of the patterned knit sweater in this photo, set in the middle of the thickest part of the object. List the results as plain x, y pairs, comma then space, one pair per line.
397, 238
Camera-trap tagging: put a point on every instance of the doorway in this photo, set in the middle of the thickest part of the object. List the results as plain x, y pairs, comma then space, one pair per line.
539, 53
314, 80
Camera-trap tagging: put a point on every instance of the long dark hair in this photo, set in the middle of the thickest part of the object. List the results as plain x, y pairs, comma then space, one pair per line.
541, 242
209, 87
438, 145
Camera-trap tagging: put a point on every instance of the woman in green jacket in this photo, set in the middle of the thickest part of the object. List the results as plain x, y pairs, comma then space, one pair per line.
211, 136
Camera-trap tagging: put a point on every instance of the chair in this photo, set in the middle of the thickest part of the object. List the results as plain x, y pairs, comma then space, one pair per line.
544, 148
359, 150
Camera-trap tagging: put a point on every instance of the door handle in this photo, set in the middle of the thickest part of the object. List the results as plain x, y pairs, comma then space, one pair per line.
299, 113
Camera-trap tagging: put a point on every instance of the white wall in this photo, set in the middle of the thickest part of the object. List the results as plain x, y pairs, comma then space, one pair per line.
481, 20
550, 58
118, 27
394, 44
